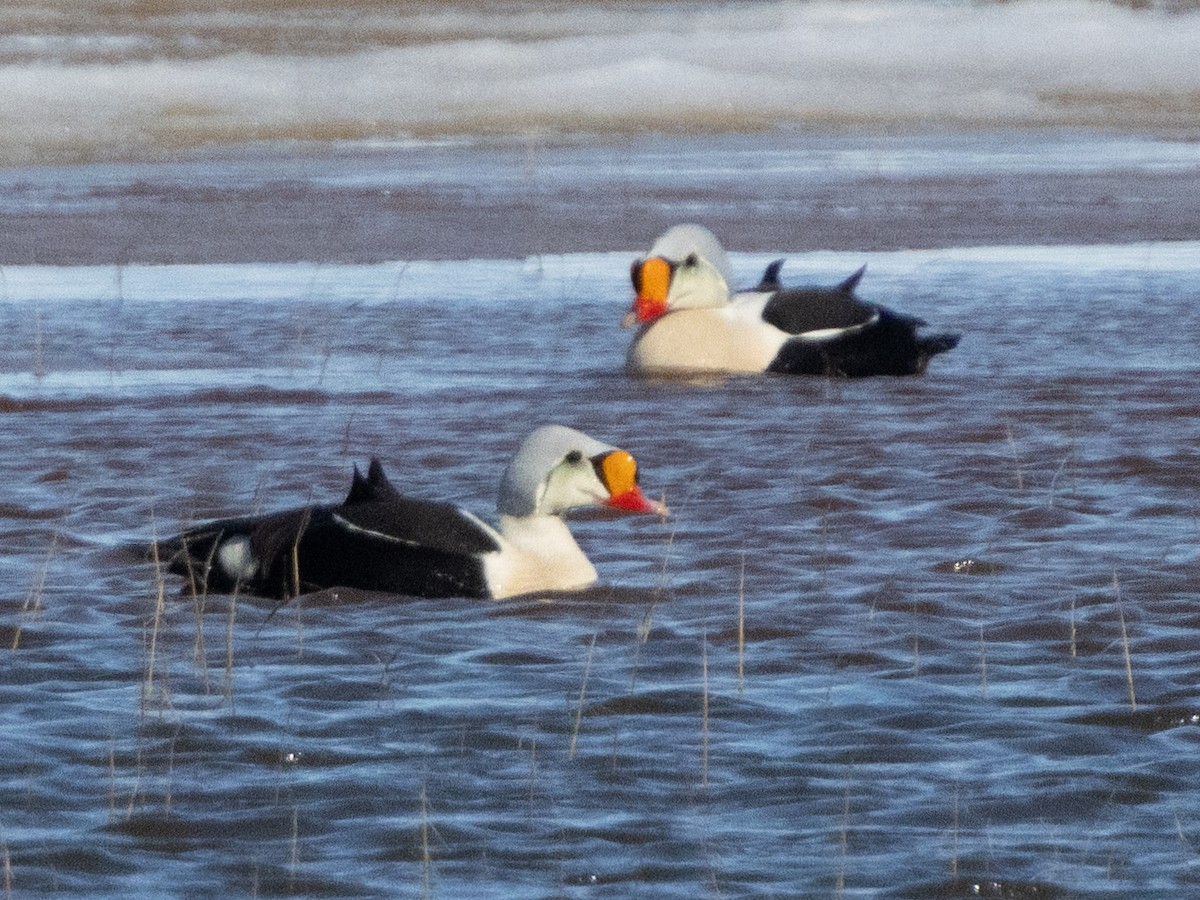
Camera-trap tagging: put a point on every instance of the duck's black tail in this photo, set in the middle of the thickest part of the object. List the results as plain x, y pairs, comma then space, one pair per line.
933, 344
190, 554
930, 345
193, 555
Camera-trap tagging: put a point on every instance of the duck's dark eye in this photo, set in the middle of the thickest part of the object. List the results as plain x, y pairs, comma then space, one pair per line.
575, 457
692, 259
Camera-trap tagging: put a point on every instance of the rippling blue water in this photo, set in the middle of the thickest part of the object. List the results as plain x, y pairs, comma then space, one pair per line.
937, 574
929, 637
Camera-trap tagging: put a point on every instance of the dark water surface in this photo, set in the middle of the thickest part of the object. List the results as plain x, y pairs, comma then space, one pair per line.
968, 664
511, 198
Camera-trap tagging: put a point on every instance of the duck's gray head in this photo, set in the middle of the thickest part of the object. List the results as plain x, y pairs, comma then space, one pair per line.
558, 468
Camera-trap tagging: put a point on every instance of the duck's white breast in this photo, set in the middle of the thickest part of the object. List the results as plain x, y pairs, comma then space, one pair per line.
537, 553
730, 339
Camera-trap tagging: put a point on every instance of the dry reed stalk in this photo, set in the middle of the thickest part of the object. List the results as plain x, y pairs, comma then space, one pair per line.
1183, 841
296, 552
159, 610
296, 584
1125, 643
199, 652
1054, 479
112, 780
916, 639
426, 858
33, 600
1074, 648
983, 682
39, 362
1012, 446
664, 579
385, 676
394, 294
954, 840
137, 784
208, 563
230, 619
843, 845
704, 712
296, 355
645, 626
187, 561
199, 600
713, 884
532, 773
299, 630
170, 771
325, 357
587, 670
294, 861
823, 566
741, 658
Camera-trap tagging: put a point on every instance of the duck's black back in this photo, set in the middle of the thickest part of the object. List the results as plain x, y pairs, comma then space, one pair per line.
376, 540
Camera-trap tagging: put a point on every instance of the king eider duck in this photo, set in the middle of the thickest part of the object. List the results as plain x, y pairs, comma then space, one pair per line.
379, 540
688, 323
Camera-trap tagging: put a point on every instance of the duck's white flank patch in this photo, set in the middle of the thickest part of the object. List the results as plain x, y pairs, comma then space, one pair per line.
236, 559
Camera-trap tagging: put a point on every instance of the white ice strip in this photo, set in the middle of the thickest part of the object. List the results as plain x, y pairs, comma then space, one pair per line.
560, 276
179, 81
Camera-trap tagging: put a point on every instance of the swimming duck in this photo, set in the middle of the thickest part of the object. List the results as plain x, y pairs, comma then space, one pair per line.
688, 322
378, 539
